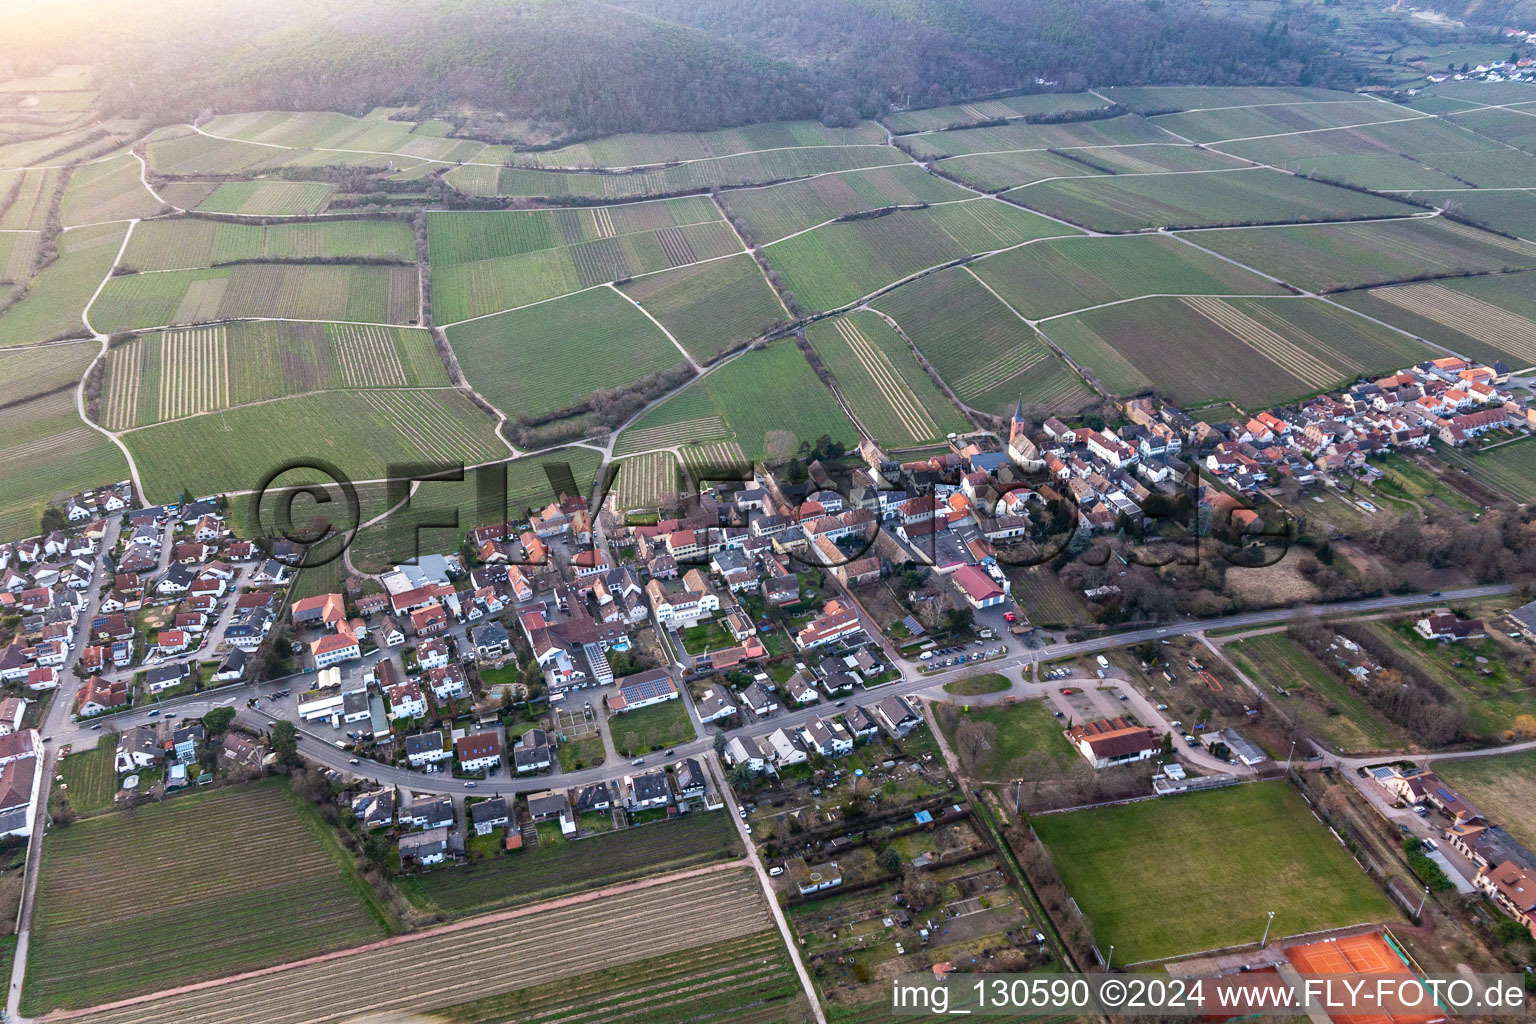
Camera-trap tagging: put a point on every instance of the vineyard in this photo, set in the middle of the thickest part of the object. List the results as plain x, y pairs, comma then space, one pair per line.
522, 968
267, 198
711, 307
466, 290
555, 354
1460, 313
1115, 131
194, 372
545, 872
52, 305
749, 395
986, 354
46, 450
890, 394
119, 902
773, 211
362, 432
646, 482
1135, 202
469, 236
1331, 257
1254, 352
744, 169
637, 150
109, 190
935, 118
1055, 277
836, 264
191, 242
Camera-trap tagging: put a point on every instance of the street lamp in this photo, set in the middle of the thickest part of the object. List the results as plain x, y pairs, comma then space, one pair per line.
1265, 940
1422, 900
1111, 958
1291, 757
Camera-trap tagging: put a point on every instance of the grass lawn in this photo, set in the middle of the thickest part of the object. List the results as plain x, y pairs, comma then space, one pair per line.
585, 753
1502, 787
1021, 727
652, 728
1181, 874
1336, 713
710, 635
90, 778
970, 686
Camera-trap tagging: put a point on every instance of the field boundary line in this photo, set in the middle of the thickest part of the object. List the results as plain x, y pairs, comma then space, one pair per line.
659, 325
577, 899
1060, 353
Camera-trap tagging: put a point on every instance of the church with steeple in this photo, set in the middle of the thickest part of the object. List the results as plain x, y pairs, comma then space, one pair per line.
1024, 452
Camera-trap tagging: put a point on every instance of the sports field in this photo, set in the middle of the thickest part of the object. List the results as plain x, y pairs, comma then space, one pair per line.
875, 370
1182, 874
120, 903
555, 354
988, 356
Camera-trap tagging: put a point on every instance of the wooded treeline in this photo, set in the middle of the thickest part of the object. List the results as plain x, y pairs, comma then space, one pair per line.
582, 68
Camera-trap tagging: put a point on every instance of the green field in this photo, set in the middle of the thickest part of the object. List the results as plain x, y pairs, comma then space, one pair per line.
559, 869
555, 354
109, 190
839, 263
654, 728
1511, 212
1046, 600
1055, 277
1328, 709
122, 900
1487, 318
1503, 787
169, 374
34, 191
1200, 871
997, 172
361, 432
360, 294
268, 198
486, 262
47, 454
710, 307
890, 394
33, 372
1158, 98
51, 308
772, 211
186, 243
90, 778
745, 399
1331, 257
1254, 352
986, 354
1136, 202
1021, 727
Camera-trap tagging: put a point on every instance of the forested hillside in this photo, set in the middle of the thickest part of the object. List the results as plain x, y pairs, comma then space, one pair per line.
554, 70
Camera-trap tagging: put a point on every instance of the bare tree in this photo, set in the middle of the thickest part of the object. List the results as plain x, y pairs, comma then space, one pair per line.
974, 740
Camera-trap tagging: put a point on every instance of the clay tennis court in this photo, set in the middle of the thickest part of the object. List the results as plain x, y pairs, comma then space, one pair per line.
1357, 954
